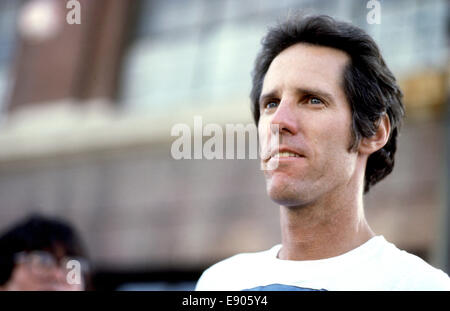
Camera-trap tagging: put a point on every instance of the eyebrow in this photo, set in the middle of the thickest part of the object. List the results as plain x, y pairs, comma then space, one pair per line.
299, 90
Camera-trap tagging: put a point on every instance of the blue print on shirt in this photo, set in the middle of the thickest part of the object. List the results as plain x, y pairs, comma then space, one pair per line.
282, 287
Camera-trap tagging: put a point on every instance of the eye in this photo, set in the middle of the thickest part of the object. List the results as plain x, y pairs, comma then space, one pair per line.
271, 104
315, 101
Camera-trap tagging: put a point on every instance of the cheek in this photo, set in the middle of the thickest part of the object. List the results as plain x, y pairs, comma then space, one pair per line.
335, 128
331, 142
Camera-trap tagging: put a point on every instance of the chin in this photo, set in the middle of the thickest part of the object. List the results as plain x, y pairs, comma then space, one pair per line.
287, 194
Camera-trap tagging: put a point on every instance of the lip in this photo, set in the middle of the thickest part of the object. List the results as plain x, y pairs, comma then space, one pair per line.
286, 149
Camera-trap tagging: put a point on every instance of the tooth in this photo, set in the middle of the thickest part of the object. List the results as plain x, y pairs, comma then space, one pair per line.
286, 154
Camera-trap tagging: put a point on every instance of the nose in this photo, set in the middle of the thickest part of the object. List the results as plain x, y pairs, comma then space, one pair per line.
285, 118
56, 274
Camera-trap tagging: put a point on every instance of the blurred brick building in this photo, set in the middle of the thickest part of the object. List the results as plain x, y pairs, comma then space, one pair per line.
87, 111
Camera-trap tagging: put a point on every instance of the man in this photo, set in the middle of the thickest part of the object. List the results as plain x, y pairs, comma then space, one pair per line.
338, 110
34, 254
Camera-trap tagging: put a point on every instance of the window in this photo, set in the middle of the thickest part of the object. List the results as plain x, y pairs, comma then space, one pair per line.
194, 53
201, 52
412, 34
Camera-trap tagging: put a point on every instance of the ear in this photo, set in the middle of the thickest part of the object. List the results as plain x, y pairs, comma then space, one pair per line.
369, 145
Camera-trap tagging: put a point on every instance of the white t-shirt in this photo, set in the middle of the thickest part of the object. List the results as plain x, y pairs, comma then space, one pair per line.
375, 265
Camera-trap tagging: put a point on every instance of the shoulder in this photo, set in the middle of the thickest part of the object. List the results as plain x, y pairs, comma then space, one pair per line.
410, 272
227, 274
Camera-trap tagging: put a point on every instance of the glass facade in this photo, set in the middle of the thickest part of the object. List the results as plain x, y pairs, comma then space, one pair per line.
201, 52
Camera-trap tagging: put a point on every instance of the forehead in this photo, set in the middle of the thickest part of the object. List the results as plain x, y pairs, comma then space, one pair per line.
309, 66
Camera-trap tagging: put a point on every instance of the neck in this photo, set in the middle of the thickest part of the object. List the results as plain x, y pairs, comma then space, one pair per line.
326, 228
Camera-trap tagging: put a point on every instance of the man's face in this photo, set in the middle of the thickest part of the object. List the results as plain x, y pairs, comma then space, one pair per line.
302, 94
40, 270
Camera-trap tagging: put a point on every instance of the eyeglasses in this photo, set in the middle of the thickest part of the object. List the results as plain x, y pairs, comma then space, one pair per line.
40, 261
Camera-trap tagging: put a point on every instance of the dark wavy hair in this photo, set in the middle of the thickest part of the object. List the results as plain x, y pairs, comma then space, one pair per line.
370, 87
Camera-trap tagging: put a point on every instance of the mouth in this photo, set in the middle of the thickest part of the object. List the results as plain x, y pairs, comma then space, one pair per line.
283, 153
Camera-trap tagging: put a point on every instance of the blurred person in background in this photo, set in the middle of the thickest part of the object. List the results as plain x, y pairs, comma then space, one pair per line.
338, 109
34, 256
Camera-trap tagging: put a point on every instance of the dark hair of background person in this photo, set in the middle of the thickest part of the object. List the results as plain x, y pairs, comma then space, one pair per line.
37, 232
370, 87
